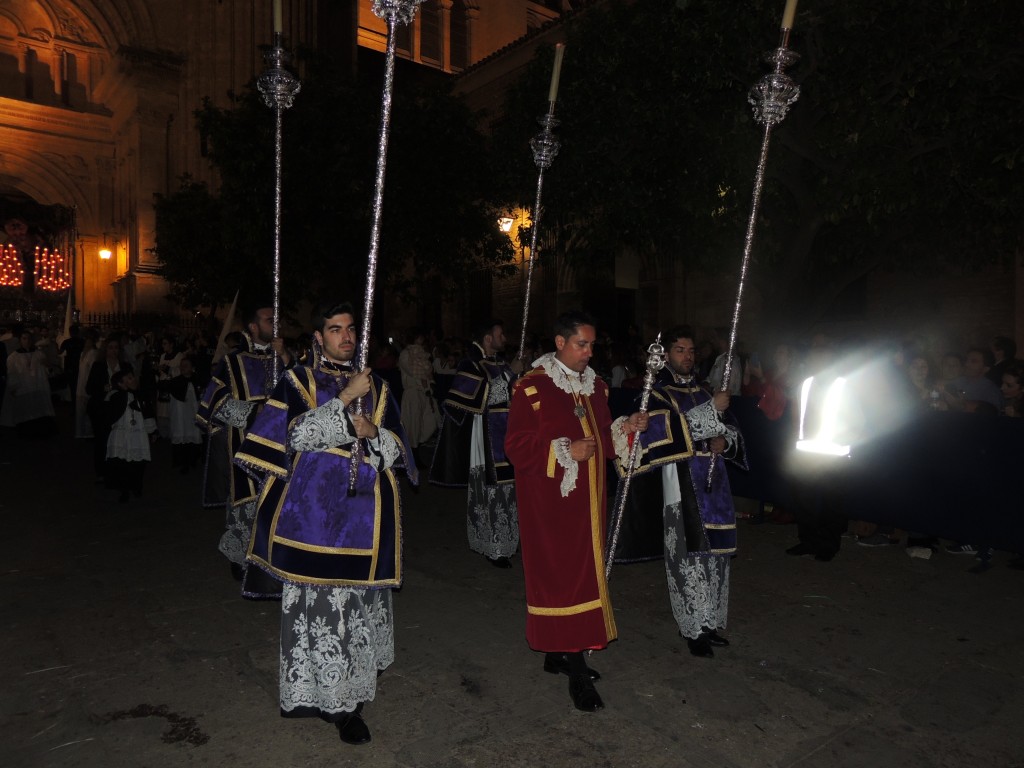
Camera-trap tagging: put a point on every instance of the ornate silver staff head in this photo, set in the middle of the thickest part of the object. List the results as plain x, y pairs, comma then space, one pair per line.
655, 356
277, 85
776, 91
399, 11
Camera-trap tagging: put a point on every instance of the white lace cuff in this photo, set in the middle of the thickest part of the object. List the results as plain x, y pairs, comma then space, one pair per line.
383, 449
324, 427
704, 421
620, 441
563, 455
235, 413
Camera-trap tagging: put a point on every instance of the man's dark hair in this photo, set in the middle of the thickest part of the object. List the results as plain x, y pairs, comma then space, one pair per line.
567, 323
251, 313
677, 332
486, 328
329, 309
1006, 345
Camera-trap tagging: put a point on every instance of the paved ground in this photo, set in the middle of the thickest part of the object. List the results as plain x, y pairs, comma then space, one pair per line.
125, 644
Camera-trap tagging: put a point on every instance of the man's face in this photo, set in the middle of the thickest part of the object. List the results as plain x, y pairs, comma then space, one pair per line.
681, 356
575, 352
498, 341
339, 338
263, 329
113, 350
974, 365
185, 367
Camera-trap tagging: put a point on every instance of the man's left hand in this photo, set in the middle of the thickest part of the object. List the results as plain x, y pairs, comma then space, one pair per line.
717, 444
637, 422
364, 427
282, 351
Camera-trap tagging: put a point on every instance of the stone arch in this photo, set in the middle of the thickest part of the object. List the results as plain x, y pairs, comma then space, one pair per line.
46, 180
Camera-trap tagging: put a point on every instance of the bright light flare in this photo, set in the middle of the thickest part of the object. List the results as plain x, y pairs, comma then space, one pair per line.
824, 443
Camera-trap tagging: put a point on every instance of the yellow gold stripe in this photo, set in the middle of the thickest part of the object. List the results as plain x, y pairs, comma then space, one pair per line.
719, 527
551, 459
536, 405
530, 390
323, 550
258, 463
567, 611
264, 441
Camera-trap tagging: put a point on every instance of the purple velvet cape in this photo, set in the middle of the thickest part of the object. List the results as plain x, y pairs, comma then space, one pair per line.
468, 398
308, 530
667, 440
246, 376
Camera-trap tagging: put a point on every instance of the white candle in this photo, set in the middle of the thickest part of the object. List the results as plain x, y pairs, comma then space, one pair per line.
278, 17
789, 14
559, 53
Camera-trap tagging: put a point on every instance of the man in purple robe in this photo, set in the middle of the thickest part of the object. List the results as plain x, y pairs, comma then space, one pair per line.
686, 434
337, 552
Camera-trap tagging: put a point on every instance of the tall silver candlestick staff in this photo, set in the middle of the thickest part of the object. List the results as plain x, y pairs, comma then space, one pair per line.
278, 87
771, 99
545, 147
394, 12
655, 362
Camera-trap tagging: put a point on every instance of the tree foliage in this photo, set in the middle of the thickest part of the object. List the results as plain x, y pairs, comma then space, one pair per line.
438, 225
904, 148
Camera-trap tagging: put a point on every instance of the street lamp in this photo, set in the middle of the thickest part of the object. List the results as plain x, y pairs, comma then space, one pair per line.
505, 224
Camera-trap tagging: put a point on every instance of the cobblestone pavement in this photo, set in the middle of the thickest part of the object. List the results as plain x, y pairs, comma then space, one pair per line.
125, 643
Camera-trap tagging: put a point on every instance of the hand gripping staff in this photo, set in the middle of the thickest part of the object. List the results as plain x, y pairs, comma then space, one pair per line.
395, 12
655, 362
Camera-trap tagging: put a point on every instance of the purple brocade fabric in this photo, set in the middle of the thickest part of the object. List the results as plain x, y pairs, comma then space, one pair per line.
316, 509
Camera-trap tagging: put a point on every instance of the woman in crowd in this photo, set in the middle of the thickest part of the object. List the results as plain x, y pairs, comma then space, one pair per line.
1011, 388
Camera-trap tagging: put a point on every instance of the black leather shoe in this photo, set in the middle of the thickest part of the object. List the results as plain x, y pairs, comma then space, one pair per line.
716, 639
352, 729
557, 664
500, 562
701, 646
584, 695
801, 549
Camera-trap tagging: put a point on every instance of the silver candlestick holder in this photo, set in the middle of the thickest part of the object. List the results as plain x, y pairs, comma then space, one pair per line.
771, 99
545, 148
278, 87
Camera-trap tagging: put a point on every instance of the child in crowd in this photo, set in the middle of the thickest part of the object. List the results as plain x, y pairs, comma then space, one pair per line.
183, 402
128, 443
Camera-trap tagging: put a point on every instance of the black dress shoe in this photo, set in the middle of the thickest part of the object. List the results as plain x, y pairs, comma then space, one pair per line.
701, 646
558, 664
352, 729
500, 562
801, 549
584, 695
716, 639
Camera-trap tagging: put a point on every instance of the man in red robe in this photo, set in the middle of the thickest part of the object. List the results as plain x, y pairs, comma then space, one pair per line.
560, 437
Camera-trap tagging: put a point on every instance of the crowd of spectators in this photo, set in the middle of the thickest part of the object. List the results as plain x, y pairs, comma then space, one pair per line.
79, 368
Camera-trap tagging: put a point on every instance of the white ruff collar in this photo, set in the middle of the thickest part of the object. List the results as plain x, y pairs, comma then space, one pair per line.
566, 380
